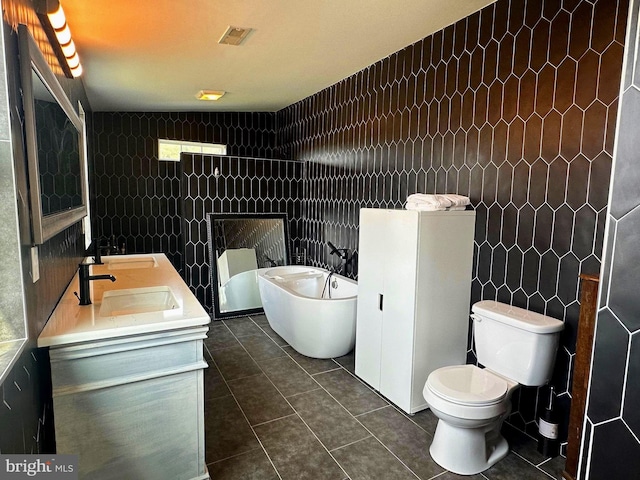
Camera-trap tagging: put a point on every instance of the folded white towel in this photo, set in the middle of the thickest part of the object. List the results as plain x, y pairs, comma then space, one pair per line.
425, 207
436, 201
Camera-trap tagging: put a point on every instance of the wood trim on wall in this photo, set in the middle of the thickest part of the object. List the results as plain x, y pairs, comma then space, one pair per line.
584, 346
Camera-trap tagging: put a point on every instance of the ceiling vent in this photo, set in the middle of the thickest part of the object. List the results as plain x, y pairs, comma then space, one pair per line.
234, 35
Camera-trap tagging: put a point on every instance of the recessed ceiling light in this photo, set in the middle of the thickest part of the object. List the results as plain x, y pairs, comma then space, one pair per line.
210, 94
234, 35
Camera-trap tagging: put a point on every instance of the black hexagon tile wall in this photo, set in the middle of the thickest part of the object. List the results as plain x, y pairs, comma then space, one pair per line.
514, 106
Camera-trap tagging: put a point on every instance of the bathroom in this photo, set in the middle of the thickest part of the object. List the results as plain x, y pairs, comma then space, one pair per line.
541, 214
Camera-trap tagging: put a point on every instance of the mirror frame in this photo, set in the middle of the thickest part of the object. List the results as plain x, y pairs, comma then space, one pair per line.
213, 264
32, 61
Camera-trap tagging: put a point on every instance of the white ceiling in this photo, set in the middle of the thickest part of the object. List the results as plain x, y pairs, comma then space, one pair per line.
155, 55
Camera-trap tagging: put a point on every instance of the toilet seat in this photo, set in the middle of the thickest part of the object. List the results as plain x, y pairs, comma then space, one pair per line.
467, 385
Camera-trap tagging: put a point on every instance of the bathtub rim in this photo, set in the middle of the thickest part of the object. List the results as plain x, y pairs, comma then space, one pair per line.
282, 284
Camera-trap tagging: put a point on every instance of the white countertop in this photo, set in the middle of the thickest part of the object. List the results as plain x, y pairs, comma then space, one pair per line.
71, 323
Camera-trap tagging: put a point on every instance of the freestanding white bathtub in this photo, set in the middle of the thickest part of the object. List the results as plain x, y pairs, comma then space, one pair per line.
315, 323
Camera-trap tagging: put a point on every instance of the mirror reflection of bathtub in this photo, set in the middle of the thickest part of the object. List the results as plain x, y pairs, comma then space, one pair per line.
240, 244
240, 292
234, 261
237, 280
313, 309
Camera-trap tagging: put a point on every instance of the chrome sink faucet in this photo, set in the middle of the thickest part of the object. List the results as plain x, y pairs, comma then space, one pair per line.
84, 278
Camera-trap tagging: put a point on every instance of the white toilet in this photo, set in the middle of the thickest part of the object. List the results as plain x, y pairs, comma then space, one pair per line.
517, 347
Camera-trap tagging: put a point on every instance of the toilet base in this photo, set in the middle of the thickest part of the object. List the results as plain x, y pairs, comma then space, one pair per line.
467, 451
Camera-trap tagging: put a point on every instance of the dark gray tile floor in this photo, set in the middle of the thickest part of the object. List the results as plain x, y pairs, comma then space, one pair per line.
271, 413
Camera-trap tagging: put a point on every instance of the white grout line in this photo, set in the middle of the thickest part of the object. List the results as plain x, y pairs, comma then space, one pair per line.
341, 367
626, 374
303, 393
301, 366
292, 408
274, 419
242, 411
440, 475
268, 335
327, 371
370, 411
530, 463
233, 456
350, 443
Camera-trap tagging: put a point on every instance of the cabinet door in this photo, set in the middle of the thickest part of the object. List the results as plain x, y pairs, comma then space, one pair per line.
442, 294
370, 287
398, 323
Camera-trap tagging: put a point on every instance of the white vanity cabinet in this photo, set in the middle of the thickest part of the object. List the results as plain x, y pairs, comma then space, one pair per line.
414, 288
132, 408
127, 381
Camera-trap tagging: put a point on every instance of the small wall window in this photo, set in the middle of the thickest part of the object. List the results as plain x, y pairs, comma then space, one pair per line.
170, 150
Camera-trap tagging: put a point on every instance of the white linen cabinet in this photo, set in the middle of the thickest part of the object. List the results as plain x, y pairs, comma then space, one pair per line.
414, 288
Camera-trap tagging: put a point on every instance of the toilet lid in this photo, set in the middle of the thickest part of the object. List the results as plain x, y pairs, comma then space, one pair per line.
467, 384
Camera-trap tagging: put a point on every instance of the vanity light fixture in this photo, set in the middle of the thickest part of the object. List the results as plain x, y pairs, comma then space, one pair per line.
210, 94
55, 25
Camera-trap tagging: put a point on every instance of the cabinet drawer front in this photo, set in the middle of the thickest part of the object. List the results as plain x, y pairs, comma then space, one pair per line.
148, 429
109, 365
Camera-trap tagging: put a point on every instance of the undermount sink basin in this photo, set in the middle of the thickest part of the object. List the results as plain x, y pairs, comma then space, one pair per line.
137, 300
124, 263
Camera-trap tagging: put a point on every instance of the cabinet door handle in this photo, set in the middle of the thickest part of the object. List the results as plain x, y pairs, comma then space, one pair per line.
380, 301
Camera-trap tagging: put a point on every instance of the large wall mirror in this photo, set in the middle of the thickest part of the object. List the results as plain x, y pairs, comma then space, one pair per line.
54, 139
240, 244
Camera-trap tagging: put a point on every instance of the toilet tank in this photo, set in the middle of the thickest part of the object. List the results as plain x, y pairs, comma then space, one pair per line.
514, 342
